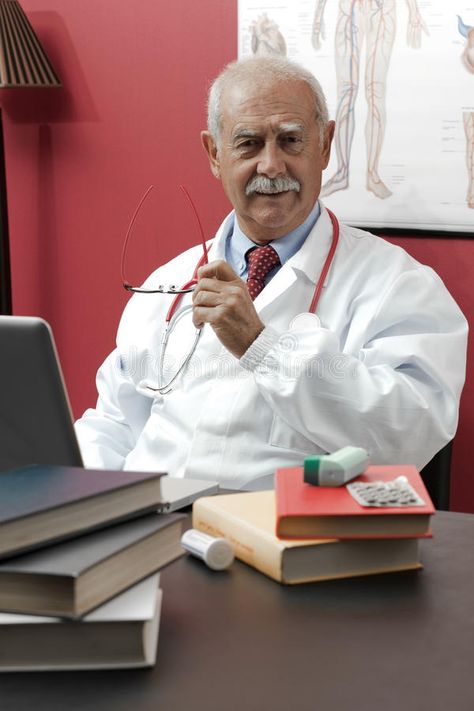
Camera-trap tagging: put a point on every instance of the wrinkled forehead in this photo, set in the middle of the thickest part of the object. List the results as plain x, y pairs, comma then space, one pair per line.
254, 101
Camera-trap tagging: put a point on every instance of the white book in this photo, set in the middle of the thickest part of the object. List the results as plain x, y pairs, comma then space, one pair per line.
121, 633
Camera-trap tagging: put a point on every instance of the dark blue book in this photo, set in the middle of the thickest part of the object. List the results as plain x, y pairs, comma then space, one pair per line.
41, 504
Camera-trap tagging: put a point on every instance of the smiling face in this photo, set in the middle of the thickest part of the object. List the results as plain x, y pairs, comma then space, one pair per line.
269, 156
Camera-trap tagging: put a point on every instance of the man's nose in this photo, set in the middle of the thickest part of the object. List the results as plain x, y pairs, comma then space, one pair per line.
271, 161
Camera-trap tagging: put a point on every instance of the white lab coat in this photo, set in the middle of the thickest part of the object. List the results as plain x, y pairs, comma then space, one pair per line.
384, 371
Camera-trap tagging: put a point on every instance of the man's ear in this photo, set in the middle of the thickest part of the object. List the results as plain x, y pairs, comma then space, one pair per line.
211, 149
326, 149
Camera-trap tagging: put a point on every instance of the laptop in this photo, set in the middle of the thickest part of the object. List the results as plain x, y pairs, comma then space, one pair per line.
36, 423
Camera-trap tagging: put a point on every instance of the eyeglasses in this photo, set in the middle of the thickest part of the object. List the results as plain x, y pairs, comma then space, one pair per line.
163, 288
160, 387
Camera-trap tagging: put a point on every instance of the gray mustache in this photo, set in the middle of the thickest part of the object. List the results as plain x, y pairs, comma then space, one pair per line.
271, 186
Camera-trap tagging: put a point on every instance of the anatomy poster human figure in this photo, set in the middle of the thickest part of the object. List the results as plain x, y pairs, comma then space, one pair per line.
399, 79
372, 24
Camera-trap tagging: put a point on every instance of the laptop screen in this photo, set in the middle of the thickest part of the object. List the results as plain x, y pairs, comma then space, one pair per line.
36, 425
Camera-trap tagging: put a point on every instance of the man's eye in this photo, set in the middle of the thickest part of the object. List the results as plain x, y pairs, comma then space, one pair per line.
248, 146
292, 144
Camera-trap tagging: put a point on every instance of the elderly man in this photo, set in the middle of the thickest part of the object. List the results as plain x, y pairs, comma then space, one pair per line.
252, 379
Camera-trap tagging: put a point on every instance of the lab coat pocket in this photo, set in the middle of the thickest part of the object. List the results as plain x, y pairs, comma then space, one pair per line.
284, 436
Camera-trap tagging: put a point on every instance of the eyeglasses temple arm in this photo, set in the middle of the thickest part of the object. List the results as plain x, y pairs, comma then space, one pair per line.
201, 231
125, 283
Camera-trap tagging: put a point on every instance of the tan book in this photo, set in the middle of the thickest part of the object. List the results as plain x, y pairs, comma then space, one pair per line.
248, 521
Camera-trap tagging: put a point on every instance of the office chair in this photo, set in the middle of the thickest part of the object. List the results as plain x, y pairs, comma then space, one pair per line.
437, 477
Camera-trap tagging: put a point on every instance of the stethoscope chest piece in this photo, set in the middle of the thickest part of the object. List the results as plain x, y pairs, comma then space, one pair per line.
306, 321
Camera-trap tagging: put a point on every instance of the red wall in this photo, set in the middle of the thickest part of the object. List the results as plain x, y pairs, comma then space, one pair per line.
79, 158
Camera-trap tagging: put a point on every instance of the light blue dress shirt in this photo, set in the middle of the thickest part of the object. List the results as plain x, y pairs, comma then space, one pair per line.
237, 244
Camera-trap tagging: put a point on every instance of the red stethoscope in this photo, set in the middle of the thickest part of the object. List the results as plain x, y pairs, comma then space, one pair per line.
189, 286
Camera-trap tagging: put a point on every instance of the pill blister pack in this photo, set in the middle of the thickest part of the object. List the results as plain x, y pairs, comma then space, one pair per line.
397, 493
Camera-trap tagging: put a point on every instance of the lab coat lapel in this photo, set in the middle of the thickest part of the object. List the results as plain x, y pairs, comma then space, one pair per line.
282, 280
217, 248
311, 257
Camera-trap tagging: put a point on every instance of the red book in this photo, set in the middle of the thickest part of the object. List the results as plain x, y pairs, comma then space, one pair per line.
307, 511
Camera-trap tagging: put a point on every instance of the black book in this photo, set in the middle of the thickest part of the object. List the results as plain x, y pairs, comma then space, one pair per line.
71, 578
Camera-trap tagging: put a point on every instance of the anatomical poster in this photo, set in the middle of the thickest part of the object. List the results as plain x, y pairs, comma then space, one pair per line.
398, 76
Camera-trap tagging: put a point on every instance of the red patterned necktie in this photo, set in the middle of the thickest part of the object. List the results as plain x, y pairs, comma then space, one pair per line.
260, 260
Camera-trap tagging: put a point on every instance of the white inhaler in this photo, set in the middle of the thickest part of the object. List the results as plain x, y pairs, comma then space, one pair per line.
335, 469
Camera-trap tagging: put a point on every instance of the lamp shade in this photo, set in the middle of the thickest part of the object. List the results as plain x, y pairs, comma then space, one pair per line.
23, 61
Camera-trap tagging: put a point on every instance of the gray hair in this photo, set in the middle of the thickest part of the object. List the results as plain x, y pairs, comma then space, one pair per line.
260, 69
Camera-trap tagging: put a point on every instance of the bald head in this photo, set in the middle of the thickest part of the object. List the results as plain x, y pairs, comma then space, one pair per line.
264, 72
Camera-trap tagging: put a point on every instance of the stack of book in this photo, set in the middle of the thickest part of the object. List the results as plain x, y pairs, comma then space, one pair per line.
80, 555
302, 533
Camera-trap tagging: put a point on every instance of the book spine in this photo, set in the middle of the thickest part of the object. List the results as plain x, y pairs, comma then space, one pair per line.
251, 545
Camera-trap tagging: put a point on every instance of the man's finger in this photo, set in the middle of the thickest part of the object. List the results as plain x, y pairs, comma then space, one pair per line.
207, 298
204, 314
217, 286
207, 284
218, 269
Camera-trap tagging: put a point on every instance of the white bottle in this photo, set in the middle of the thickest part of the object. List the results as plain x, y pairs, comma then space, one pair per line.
217, 553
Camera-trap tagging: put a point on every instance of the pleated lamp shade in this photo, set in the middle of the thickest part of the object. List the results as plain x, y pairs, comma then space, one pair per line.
23, 61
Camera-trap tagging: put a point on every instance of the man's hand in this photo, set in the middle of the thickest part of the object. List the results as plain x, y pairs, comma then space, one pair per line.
222, 299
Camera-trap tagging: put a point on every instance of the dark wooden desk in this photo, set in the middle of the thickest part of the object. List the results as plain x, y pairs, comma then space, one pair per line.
237, 640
